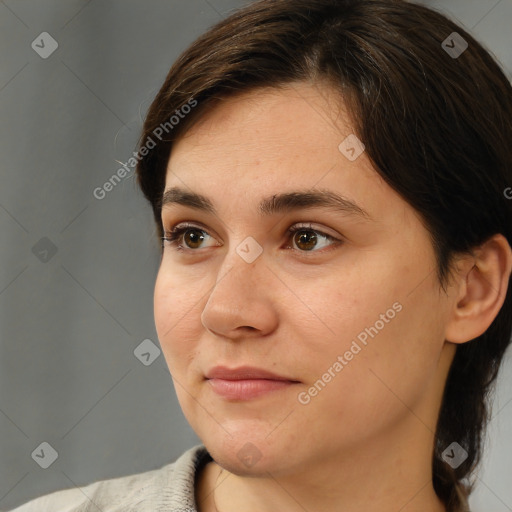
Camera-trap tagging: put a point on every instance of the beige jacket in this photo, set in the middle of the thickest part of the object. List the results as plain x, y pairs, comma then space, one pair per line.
168, 489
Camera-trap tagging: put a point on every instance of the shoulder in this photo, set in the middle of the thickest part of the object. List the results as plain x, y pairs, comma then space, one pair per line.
160, 489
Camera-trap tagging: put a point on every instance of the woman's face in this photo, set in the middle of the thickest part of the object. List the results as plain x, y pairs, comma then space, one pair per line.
348, 308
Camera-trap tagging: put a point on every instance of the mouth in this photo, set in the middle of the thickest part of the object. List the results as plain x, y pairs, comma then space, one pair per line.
246, 383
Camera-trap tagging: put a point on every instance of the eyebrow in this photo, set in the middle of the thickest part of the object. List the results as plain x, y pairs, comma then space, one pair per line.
275, 204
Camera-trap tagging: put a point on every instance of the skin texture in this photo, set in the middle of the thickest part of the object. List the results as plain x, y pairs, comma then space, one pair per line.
365, 440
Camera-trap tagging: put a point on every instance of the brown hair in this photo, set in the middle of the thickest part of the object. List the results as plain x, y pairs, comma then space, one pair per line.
436, 128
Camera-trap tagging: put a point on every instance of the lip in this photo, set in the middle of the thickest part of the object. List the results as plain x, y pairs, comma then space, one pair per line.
244, 373
246, 382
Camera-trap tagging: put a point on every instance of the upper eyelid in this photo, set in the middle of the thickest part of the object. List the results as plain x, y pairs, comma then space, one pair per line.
180, 227
199, 226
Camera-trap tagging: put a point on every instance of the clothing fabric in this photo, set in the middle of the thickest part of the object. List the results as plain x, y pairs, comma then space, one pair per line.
167, 489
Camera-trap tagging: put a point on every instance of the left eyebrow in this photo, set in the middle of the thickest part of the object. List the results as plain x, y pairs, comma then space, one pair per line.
277, 203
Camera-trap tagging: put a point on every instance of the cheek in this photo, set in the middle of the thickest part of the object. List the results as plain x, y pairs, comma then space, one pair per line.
164, 303
399, 362
177, 317
378, 384
389, 338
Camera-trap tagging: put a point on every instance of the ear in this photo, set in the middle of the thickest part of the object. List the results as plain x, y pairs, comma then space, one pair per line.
480, 289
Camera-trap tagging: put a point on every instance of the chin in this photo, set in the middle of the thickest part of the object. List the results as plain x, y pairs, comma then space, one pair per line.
245, 461
249, 455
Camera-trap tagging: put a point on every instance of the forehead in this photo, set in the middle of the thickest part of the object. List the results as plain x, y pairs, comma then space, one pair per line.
297, 115
277, 140
293, 130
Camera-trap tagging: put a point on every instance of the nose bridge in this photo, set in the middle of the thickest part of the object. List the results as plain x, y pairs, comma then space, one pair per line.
237, 274
238, 296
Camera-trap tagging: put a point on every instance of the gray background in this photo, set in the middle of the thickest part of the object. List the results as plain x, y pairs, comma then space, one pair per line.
70, 321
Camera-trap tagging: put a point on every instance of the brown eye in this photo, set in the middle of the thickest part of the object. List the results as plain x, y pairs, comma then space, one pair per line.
185, 237
305, 239
193, 238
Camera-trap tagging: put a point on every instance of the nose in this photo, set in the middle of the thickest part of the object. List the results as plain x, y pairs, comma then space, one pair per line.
241, 303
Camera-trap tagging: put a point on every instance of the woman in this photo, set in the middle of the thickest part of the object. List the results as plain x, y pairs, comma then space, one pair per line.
329, 179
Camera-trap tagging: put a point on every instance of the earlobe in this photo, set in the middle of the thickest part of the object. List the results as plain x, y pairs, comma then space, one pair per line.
480, 290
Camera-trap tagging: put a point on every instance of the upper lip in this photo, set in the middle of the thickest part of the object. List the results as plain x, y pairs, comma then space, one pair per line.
242, 373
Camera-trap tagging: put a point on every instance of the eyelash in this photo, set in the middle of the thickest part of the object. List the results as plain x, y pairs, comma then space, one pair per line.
174, 236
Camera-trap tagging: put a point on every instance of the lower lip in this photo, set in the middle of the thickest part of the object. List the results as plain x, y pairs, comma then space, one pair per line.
246, 389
